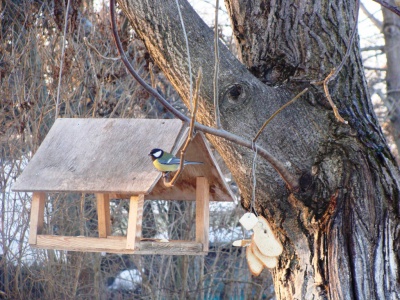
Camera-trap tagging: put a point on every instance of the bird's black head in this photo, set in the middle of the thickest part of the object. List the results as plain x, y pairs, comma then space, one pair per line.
156, 153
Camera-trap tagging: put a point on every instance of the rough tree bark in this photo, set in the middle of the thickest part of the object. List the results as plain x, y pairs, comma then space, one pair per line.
341, 229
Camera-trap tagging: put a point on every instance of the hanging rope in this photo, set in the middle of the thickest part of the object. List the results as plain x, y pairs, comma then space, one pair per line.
188, 55
62, 60
216, 68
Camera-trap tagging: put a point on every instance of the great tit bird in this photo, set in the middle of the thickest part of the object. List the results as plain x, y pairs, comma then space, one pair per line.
166, 162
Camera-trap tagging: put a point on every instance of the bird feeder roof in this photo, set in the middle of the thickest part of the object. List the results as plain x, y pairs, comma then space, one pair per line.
111, 156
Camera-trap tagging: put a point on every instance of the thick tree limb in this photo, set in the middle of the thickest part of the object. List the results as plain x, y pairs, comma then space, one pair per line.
277, 112
291, 181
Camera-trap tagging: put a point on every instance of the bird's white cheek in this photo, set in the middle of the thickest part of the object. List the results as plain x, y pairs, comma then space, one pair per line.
157, 154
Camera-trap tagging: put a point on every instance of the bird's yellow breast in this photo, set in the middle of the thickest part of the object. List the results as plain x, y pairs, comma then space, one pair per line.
165, 168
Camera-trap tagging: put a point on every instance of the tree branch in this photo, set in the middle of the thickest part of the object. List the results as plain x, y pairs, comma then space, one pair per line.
290, 180
334, 73
328, 96
85, 40
387, 5
191, 131
370, 16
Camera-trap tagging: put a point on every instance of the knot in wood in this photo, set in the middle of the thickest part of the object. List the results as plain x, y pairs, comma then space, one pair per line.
235, 97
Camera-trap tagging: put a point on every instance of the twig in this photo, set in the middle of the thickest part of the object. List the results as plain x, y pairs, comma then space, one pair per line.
216, 68
290, 180
277, 112
373, 48
375, 69
349, 46
191, 130
85, 40
333, 74
390, 7
370, 16
328, 96
188, 55
62, 59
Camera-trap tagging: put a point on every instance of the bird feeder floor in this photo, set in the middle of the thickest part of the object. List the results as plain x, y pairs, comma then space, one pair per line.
117, 244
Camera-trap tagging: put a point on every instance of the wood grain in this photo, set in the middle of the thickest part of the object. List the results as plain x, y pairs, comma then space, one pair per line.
103, 215
37, 216
134, 231
98, 156
202, 212
116, 244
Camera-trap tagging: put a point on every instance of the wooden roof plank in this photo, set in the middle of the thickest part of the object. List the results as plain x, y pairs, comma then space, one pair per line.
98, 155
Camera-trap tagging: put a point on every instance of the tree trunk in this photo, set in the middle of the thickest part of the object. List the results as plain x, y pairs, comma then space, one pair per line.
340, 231
391, 32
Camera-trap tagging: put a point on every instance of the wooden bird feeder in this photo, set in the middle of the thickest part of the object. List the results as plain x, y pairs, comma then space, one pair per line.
109, 157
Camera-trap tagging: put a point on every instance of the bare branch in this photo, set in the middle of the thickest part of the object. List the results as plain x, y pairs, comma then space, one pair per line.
333, 74
370, 16
336, 71
375, 68
373, 48
290, 180
390, 7
328, 96
85, 40
191, 130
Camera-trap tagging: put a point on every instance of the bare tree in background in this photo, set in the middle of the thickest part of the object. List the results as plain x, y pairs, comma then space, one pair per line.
380, 57
391, 31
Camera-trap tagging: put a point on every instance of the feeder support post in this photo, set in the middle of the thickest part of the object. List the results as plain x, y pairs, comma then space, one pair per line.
202, 211
134, 231
103, 215
37, 216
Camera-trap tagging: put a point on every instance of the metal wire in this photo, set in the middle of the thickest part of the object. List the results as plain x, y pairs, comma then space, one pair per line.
254, 177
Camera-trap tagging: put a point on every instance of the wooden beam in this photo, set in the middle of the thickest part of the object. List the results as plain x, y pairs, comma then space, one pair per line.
171, 248
202, 211
81, 243
103, 215
37, 216
134, 230
116, 244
